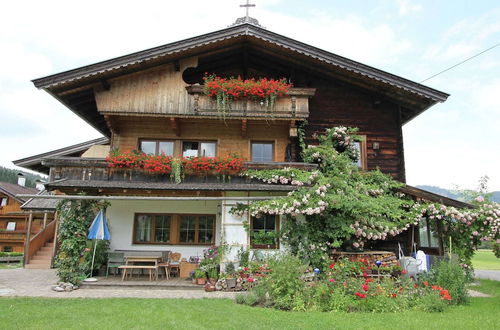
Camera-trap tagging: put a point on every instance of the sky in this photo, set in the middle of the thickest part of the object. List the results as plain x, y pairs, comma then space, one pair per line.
451, 144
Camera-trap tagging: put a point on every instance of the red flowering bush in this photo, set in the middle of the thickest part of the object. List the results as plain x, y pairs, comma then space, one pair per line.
126, 160
226, 90
158, 164
201, 166
291, 285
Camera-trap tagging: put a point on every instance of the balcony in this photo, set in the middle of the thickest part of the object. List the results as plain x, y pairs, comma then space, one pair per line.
71, 174
191, 102
294, 106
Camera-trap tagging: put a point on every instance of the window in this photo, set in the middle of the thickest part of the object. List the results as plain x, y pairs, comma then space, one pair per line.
262, 151
428, 237
157, 147
3, 201
7, 249
174, 229
151, 228
198, 149
11, 225
361, 148
264, 232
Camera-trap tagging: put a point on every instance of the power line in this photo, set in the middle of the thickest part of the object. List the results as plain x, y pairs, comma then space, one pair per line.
460, 63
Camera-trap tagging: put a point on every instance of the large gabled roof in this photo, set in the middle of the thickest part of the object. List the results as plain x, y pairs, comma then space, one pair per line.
60, 84
233, 32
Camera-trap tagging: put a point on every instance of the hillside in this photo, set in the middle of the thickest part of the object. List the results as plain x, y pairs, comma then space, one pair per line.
10, 175
495, 195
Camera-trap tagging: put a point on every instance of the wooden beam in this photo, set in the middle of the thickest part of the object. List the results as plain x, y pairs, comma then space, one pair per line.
45, 219
110, 123
54, 248
27, 239
243, 128
176, 127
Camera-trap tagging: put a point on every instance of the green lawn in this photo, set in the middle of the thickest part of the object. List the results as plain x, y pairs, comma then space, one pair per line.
485, 259
46, 313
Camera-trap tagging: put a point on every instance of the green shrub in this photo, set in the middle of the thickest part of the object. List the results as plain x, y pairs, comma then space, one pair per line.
250, 299
11, 254
496, 249
284, 284
431, 303
450, 275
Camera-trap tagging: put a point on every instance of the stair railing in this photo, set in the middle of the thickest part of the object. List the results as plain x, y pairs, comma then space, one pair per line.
39, 240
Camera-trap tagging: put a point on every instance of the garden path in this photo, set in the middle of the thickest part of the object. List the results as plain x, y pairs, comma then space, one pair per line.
487, 274
38, 282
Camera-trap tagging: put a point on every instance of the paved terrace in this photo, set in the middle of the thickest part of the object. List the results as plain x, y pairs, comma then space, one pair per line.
38, 282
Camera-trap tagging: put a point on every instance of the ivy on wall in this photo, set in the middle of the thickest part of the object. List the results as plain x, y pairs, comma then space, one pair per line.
76, 216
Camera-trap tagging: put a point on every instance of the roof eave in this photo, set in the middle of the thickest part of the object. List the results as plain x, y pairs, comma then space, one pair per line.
237, 31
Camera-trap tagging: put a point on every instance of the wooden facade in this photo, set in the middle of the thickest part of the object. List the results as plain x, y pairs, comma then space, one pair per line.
13, 240
157, 95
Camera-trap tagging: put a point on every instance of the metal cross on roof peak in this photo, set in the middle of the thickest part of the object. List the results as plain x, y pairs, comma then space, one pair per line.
247, 6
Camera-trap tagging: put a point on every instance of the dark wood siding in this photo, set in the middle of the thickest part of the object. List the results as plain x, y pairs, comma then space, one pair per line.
378, 120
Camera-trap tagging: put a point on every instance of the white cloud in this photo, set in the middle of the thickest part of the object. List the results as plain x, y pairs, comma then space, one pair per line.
407, 7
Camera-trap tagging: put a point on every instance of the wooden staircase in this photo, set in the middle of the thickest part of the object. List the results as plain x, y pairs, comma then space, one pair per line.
42, 258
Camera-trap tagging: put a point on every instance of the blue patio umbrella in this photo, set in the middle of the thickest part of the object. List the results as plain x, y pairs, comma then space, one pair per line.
98, 230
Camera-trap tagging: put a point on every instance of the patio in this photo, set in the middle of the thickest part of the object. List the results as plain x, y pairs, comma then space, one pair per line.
142, 282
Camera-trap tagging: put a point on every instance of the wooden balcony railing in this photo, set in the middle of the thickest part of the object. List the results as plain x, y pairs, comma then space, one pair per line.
12, 236
295, 105
94, 169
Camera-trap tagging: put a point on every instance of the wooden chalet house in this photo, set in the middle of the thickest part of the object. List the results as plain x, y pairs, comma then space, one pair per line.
153, 101
21, 220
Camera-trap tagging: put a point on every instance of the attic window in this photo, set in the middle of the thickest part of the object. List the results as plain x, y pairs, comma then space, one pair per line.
3, 201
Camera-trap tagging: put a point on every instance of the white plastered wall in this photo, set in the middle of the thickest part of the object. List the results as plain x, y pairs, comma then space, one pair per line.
120, 216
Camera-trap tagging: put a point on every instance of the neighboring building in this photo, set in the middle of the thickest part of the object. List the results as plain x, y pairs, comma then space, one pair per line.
14, 220
152, 101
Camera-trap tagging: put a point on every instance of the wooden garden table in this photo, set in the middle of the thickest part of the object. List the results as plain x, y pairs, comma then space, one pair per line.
131, 260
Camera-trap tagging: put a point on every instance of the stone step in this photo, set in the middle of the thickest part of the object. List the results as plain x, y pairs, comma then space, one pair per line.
39, 261
43, 253
37, 266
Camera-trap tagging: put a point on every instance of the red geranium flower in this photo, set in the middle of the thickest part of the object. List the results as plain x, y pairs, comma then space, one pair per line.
360, 295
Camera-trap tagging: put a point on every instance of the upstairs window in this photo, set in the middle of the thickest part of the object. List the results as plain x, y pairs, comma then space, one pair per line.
262, 151
157, 147
3, 201
199, 149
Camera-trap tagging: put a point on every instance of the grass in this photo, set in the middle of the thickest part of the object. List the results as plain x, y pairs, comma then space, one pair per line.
485, 259
10, 265
47, 313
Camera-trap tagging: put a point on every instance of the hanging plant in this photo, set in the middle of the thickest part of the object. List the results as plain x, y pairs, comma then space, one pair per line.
225, 91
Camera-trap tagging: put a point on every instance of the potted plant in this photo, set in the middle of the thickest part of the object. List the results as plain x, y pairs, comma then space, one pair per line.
230, 275
200, 276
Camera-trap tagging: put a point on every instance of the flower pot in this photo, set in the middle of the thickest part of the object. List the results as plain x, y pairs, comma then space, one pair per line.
201, 281
231, 283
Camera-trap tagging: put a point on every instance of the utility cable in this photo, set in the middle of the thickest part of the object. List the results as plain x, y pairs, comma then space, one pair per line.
454, 66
